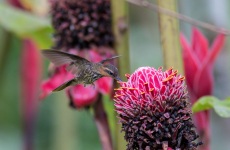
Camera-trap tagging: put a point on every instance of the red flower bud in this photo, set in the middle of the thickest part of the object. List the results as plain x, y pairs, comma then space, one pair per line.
198, 66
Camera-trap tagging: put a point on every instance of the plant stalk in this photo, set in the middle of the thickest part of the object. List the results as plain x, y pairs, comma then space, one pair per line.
170, 33
64, 124
4, 48
120, 27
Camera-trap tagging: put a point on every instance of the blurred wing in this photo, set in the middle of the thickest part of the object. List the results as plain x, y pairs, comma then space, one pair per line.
72, 68
109, 59
61, 58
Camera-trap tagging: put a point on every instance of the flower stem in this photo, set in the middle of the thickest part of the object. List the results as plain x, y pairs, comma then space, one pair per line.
120, 27
100, 117
4, 48
64, 125
169, 32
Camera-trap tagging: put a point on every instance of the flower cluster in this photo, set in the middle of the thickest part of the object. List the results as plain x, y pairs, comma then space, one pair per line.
82, 27
82, 23
154, 110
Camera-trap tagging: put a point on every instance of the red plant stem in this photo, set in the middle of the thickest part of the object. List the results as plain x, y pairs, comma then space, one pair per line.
204, 128
202, 122
100, 117
30, 77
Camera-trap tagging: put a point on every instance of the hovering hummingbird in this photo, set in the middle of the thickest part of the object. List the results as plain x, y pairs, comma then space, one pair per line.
85, 72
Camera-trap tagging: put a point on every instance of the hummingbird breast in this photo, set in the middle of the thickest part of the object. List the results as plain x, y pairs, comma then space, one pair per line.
88, 74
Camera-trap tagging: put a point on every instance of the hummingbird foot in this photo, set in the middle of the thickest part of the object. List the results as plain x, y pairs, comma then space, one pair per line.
93, 85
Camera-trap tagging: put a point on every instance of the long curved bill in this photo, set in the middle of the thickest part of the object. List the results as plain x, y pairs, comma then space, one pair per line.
118, 78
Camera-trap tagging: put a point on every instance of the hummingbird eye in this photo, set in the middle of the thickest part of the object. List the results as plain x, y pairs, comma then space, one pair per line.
111, 73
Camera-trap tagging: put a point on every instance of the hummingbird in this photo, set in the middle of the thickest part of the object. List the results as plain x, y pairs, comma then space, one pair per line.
85, 72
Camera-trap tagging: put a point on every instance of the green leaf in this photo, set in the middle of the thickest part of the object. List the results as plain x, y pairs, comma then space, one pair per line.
25, 24
221, 107
204, 103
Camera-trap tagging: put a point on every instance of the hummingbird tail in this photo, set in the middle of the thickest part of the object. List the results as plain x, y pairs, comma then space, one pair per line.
64, 85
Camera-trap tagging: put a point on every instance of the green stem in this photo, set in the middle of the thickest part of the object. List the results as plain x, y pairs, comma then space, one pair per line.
4, 48
170, 33
64, 124
120, 26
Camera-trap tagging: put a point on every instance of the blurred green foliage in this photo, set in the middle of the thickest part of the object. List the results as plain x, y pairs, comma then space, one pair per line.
25, 24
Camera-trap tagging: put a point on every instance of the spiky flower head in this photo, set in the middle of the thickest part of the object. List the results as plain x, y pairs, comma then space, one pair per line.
82, 24
154, 111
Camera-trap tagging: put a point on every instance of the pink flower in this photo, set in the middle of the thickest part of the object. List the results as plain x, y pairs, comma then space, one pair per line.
15, 3
59, 76
79, 95
31, 75
198, 64
153, 109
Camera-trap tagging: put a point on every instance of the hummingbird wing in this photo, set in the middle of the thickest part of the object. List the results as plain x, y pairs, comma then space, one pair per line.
61, 58
105, 60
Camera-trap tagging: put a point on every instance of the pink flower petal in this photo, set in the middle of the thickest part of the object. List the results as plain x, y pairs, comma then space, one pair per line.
15, 3
94, 56
31, 70
204, 75
105, 85
191, 63
60, 77
81, 96
203, 82
199, 44
216, 48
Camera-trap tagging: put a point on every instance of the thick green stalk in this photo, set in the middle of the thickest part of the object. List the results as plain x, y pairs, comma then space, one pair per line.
120, 26
169, 32
63, 124
5, 38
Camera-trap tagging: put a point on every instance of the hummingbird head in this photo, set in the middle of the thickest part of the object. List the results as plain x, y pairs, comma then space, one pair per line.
111, 71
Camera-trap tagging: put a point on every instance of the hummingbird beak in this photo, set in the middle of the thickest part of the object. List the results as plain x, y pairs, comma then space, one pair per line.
118, 78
